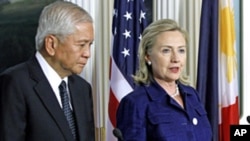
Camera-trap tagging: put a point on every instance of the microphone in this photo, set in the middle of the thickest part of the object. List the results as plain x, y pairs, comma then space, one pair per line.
118, 134
248, 119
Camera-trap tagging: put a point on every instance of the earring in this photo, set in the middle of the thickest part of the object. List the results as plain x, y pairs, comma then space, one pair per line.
149, 63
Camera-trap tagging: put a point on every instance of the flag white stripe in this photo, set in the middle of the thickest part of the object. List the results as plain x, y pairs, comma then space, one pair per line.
118, 83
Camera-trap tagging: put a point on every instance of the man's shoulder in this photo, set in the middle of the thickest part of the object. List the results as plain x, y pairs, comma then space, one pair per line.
17, 69
78, 79
21, 67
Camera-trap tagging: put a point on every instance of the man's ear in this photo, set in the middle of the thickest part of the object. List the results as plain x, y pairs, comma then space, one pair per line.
51, 43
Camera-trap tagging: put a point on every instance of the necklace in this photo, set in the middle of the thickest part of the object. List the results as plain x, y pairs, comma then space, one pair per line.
176, 92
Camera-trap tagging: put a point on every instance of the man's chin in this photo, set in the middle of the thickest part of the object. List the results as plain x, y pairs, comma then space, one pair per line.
78, 71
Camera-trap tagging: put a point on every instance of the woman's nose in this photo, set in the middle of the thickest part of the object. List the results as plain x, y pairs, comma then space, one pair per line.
175, 56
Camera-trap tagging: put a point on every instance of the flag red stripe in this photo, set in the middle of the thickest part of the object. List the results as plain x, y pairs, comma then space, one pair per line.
229, 117
113, 105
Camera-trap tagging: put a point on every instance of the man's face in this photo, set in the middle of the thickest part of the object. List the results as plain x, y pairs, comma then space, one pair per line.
73, 52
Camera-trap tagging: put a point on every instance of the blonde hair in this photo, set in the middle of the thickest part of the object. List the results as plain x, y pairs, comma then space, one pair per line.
144, 73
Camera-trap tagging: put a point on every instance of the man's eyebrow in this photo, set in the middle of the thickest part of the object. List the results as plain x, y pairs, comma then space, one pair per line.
84, 40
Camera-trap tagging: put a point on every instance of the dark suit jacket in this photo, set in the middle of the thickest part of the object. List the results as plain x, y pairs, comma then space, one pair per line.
150, 114
29, 110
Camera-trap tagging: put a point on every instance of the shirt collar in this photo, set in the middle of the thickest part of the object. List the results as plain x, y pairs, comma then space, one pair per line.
51, 75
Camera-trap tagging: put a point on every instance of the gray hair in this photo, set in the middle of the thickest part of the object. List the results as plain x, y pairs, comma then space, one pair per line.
144, 73
59, 18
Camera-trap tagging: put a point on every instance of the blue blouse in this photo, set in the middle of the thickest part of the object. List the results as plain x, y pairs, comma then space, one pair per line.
150, 114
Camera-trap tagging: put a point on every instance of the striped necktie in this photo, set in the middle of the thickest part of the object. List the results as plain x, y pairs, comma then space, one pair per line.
66, 107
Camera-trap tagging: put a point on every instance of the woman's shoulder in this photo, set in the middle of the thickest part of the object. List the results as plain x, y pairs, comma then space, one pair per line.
137, 92
137, 95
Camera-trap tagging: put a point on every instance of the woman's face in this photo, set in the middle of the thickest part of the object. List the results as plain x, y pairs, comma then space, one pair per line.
168, 56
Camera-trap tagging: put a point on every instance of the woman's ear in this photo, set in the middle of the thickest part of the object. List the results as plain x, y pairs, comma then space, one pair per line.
146, 58
51, 43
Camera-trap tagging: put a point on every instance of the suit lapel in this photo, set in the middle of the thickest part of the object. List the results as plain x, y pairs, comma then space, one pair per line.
48, 98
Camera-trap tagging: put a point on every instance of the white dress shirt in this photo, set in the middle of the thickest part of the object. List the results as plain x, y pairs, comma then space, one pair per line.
52, 76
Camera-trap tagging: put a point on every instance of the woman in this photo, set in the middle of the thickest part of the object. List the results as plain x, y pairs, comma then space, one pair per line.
161, 108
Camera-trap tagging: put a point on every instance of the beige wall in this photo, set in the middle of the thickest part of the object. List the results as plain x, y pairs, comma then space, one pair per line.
246, 57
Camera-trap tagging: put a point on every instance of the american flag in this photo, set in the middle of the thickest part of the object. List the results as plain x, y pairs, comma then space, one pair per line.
129, 21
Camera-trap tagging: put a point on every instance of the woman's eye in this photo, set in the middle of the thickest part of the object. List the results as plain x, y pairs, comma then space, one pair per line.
182, 50
165, 50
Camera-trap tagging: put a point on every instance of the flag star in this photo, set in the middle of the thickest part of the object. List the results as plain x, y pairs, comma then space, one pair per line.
125, 52
142, 16
128, 15
115, 12
140, 37
115, 31
126, 33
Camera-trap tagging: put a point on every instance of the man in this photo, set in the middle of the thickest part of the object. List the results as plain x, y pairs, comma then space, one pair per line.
44, 99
